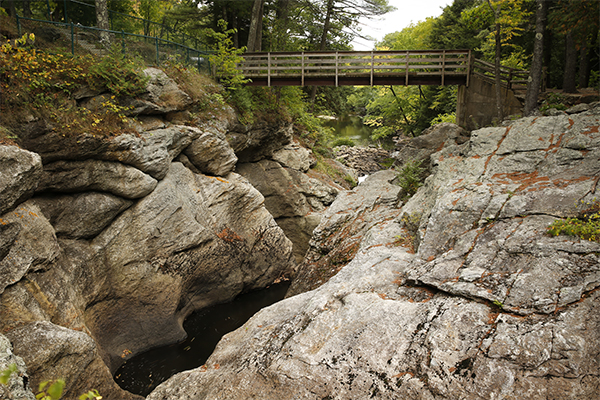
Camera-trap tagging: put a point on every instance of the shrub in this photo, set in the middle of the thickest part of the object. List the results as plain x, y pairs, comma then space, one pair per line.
409, 178
586, 226
553, 100
343, 141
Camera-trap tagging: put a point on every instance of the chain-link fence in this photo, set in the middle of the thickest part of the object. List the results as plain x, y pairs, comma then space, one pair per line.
79, 40
83, 12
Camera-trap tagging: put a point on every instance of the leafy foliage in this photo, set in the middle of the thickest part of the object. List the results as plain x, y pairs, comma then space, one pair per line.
42, 85
119, 73
586, 226
50, 390
226, 57
553, 100
409, 177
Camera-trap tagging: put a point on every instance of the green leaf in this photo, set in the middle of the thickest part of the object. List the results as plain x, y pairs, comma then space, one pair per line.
6, 374
92, 395
55, 390
43, 385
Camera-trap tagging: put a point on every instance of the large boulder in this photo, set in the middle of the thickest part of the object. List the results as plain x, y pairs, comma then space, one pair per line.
490, 306
95, 175
150, 151
54, 352
255, 143
295, 157
420, 148
295, 200
20, 171
484, 215
82, 215
193, 242
27, 243
211, 154
162, 96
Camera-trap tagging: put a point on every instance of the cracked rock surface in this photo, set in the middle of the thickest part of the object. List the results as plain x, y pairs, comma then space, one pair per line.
489, 306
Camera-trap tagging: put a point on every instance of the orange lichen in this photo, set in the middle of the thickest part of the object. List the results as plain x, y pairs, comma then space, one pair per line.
229, 236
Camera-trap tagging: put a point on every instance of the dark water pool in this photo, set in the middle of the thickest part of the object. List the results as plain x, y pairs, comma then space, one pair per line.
142, 373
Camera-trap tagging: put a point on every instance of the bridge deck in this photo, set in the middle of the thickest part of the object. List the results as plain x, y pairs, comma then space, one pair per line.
355, 68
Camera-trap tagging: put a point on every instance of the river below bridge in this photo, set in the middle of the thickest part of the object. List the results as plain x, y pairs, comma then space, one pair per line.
351, 127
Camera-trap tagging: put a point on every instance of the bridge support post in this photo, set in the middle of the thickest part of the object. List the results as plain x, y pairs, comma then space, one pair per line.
476, 104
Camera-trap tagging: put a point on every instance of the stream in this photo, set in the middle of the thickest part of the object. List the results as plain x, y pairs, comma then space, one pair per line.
352, 127
142, 373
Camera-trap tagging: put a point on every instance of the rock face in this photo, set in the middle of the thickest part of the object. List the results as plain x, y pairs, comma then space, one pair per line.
489, 306
19, 175
123, 238
294, 199
364, 160
432, 140
17, 387
337, 238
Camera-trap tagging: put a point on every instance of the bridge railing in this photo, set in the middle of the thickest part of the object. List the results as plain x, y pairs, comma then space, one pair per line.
511, 78
341, 64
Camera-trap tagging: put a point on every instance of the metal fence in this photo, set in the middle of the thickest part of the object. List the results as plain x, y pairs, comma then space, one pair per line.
83, 12
79, 40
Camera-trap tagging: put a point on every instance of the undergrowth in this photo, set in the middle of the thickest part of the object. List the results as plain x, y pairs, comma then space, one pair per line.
38, 85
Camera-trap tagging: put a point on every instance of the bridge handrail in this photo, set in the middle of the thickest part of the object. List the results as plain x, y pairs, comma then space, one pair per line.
344, 63
511, 78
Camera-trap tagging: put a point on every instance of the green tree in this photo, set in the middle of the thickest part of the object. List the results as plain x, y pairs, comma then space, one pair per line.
578, 22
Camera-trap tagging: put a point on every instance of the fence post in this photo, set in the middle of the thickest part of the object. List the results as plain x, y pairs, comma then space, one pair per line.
443, 66
72, 38
336, 68
48, 8
372, 66
302, 69
269, 68
469, 67
18, 24
123, 41
407, 60
157, 57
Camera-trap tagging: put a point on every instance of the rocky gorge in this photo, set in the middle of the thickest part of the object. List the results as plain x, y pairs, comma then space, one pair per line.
107, 244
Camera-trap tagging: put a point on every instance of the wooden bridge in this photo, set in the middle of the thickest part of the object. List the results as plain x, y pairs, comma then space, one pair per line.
356, 68
371, 68
475, 78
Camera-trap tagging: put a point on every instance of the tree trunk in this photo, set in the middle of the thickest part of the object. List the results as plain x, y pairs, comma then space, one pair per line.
323, 44
497, 62
569, 81
535, 75
236, 35
584, 67
102, 21
254, 24
27, 9
258, 41
10, 7
326, 24
283, 12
